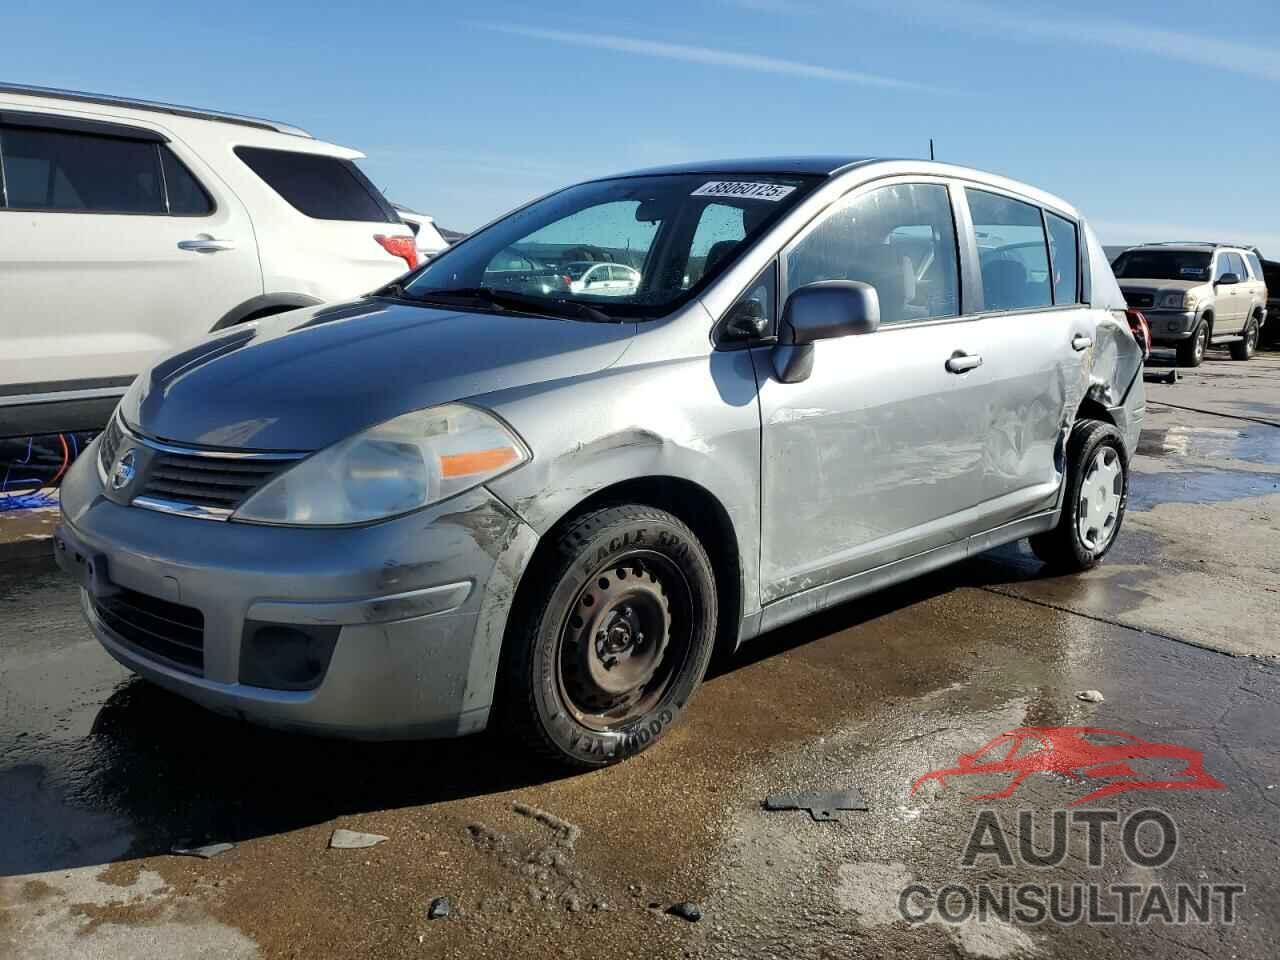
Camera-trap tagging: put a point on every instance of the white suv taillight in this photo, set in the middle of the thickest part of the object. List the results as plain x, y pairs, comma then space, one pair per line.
402, 247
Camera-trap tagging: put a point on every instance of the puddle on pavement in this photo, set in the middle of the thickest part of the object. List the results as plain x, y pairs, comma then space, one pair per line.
787, 886
1253, 444
1146, 490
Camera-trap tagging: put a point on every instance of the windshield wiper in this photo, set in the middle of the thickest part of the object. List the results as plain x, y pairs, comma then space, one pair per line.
510, 300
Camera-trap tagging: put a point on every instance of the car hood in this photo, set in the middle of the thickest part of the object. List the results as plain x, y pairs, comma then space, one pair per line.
1159, 286
308, 378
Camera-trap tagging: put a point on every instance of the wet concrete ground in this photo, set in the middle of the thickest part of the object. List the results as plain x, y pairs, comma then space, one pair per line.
101, 774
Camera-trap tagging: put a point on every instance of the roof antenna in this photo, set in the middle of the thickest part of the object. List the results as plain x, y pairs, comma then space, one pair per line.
931, 148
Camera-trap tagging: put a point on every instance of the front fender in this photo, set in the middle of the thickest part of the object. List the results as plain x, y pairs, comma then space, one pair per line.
694, 419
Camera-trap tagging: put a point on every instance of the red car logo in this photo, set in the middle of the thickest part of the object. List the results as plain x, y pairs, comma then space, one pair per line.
1080, 754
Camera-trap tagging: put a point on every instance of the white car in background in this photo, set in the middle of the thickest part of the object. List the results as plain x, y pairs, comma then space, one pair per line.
128, 228
602, 279
426, 235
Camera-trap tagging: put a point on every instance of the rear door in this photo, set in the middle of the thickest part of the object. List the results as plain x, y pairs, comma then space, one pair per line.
112, 251
1036, 341
874, 457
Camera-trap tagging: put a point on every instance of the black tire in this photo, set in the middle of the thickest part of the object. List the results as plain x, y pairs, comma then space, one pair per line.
1064, 548
1244, 349
1191, 351
654, 622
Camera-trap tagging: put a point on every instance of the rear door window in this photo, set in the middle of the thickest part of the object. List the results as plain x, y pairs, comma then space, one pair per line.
1012, 252
1255, 266
58, 170
320, 187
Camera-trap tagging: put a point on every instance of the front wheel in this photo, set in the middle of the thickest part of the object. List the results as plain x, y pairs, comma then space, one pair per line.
1096, 493
616, 635
1244, 349
1191, 351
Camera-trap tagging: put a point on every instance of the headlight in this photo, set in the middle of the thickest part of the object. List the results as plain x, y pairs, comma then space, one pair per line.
1190, 301
1172, 301
399, 466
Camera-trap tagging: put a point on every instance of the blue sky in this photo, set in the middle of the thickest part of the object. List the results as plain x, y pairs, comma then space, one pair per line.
1157, 119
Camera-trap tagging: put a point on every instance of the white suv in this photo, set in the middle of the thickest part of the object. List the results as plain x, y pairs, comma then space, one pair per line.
128, 228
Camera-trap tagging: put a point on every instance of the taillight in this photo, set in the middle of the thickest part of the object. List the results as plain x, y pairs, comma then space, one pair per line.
1141, 330
402, 247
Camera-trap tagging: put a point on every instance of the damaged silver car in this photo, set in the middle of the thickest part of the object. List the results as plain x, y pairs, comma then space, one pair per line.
483, 496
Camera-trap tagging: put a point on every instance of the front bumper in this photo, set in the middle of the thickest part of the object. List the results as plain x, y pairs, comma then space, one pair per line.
419, 604
1168, 326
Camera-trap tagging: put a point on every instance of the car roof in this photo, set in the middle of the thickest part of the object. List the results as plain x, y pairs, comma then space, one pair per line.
823, 165
1175, 247
153, 106
1192, 246
832, 166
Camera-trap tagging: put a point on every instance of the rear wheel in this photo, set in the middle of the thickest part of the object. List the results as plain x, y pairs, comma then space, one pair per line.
1191, 351
616, 636
1244, 349
1097, 491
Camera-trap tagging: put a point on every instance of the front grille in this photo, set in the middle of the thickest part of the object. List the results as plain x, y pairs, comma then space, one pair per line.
205, 480
1140, 301
110, 446
167, 631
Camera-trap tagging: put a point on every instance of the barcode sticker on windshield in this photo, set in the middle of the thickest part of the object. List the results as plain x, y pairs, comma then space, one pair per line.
1192, 271
743, 190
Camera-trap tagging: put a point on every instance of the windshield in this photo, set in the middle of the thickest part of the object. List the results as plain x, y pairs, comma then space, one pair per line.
632, 247
1163, 265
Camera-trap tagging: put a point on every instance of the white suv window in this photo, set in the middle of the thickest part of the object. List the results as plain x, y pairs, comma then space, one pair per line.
47, 169
321, 187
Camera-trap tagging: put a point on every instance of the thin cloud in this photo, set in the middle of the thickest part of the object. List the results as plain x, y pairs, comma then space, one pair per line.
706, 56
1253, 60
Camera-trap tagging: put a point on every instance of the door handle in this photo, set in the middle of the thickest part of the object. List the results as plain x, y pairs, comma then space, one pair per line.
206, 245
1081, 342
960, 362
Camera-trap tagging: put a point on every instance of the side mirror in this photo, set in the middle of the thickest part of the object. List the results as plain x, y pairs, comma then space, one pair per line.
1227, 279
822, 311
745, 321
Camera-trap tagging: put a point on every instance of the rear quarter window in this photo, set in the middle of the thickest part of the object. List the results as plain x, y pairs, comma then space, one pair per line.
320, 187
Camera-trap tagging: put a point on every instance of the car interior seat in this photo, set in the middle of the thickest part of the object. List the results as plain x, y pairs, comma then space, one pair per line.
1005, 285
893, 276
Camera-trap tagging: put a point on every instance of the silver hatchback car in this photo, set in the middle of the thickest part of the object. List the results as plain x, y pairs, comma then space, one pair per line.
478, 496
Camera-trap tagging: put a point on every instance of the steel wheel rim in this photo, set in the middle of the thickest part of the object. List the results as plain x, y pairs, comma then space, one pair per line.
625, 640
1251, 337
1201, 339
1101, 493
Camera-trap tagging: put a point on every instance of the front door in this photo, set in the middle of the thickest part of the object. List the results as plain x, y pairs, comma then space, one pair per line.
1230, 299
877, 455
